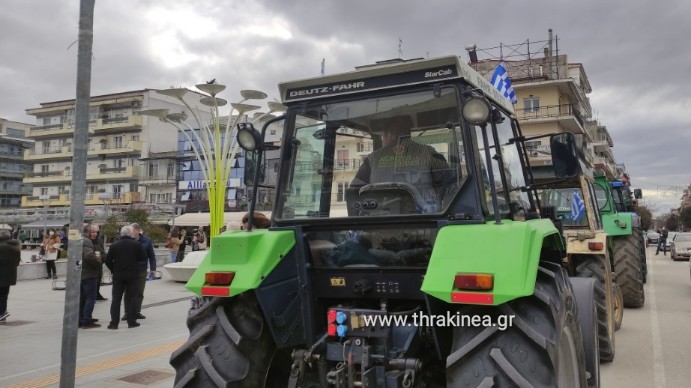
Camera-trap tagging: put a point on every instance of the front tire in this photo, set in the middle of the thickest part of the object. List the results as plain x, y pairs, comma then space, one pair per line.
628, 268
543, 347
229, 345
597, 268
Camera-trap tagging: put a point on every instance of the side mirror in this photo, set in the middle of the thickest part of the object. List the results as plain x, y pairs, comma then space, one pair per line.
251, 165
637, 193
564, 155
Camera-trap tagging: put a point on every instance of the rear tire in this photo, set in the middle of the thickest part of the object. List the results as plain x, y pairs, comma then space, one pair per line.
598, 269
229, 345
543, 347
628, 270
584, 292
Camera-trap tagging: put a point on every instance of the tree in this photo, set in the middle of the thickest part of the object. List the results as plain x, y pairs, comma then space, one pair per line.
685, 217
672, 222
646, 216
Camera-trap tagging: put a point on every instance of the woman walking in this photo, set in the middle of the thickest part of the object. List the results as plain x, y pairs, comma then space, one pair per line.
51, 246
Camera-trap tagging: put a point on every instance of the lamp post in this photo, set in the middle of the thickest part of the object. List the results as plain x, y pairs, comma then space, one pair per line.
214, 147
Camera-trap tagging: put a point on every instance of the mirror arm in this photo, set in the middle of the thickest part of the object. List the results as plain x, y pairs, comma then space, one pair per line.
260, 150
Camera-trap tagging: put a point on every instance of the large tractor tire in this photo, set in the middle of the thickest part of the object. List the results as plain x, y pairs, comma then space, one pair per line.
642, 244
229, 345
598, 269
543, 347
628, 270
584, 291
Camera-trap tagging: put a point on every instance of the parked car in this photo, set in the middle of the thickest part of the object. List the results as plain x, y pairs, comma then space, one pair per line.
668, 242
681, 246
651, 237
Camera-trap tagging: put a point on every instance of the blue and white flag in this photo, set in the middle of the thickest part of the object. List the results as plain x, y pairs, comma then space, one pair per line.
501, 81
577, 207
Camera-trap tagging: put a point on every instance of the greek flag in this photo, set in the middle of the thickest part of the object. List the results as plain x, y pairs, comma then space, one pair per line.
577, 207
500, 80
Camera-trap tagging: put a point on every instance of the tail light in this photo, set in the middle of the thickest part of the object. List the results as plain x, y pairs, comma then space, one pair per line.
217, 283
474, 281
596, 246
219, 278
478, 284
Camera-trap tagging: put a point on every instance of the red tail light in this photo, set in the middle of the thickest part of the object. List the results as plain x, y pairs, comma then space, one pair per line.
219, 278
596, 246
474, 281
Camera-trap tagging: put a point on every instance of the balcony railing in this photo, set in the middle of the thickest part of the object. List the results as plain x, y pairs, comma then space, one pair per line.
550, 111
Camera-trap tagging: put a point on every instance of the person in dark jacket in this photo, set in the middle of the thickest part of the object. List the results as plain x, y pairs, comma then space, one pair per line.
10, 257
91, 272
123, 261
97, 242
143, 273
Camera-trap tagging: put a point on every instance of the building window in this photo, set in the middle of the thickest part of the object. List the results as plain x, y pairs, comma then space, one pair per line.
340, 193
531, 104
153, 170
44, 168
170, 170
342, 158
118, 141
44, 191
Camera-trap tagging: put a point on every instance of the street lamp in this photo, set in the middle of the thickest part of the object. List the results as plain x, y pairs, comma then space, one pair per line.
213, 147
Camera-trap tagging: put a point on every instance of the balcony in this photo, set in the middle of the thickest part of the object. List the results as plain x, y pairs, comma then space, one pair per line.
90, 199
116, 123
48, 154
566, 115
46, 177
604, 165
51, 130
104, 149
113, 173
159, 179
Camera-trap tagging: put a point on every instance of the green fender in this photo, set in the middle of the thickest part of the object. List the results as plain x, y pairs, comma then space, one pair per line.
509, 251
618, 224
251, 255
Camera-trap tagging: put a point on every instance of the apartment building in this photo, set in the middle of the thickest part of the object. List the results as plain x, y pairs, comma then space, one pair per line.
13, 142
129, 158
553, 98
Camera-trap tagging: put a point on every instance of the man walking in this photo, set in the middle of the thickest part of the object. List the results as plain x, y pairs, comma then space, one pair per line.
148, 246
97, 242
91, 272
10, 256
662, 241
123, 261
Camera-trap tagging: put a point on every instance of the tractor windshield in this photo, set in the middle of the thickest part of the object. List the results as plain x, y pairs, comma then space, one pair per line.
382, 156
569, 205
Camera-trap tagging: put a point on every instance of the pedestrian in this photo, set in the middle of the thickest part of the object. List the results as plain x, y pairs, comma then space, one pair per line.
148, 246
51, 246
10, 256
173, 244
123, 259
662, 241
91, 270
97, 242
184, 240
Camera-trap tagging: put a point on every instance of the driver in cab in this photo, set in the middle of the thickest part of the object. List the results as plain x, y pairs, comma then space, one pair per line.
402, 160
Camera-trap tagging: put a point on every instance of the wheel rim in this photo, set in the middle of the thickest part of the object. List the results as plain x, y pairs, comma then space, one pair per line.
618, 305
568, 362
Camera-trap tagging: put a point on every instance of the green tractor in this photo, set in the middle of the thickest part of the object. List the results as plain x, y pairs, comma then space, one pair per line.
623, 225
406, 247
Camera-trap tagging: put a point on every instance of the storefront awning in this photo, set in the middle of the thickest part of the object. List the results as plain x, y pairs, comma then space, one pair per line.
203, 219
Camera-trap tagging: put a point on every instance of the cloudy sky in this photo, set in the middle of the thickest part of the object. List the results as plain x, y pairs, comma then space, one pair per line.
635, 53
